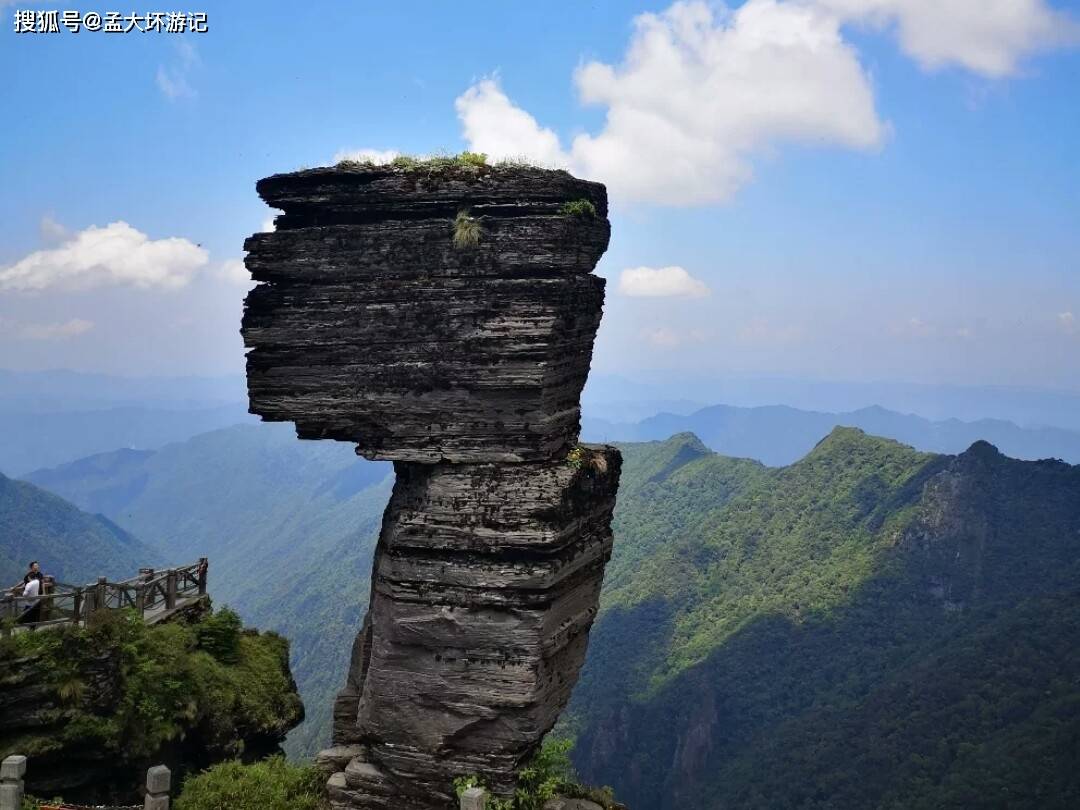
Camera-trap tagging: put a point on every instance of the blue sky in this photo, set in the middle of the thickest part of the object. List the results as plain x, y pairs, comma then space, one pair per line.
883, 189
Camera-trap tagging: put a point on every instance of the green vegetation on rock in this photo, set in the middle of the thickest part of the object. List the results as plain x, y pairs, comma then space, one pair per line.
578, 208
272, 784
547, 775
433, 164
111, 697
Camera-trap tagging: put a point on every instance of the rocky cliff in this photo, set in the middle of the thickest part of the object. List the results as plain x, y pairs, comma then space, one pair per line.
442, 316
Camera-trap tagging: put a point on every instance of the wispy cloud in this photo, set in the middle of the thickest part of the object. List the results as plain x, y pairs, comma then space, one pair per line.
660, 282
917, 328
52, 232
173, 79
763, 332
46, 331
665, 337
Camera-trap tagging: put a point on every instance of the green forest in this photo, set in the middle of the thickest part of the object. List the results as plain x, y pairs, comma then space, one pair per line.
870, 627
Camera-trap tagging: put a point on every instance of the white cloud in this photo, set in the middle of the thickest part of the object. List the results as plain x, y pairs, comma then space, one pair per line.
173, 83
172, 80
1068, 323
697, 95
703, 89
46, 331
52, 232
661, 282
988, 37
493, 125
116, 255
234, 272
664, 337
268, 225
377, 156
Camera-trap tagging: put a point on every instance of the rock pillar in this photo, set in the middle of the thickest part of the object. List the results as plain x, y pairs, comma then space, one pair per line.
442, 316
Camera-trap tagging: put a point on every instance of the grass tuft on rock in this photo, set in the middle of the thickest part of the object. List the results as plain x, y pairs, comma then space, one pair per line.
466, 230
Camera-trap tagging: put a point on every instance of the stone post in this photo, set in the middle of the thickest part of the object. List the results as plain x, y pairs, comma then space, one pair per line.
158, 781
12, 771
100, 594
474, 799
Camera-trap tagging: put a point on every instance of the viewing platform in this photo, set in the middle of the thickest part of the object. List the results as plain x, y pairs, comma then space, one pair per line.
155, 595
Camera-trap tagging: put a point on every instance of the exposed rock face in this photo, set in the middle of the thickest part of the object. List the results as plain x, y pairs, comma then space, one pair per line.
374, 328
463, 362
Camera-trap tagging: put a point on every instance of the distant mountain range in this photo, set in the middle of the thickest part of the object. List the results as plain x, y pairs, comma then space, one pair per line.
779, 435
72, 545
53, 417
609, 396
34, 439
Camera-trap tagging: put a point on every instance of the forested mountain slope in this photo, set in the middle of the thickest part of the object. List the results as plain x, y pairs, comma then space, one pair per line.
869, 627
289, 527
70, 544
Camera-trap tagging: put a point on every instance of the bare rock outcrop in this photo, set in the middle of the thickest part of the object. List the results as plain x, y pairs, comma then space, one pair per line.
443, 317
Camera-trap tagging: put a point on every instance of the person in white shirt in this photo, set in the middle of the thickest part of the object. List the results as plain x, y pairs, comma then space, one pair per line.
31, 593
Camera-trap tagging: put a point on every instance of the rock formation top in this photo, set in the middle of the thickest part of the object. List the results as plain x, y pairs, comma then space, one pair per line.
439, 312
358, 193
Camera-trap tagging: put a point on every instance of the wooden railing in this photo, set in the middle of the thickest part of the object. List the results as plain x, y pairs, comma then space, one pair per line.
152, 594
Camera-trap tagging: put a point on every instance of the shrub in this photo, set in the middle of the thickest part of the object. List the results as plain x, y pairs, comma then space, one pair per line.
219, 635
167, 686
546, 775
353, 163
272, 784
466, 230
472, 159
579, 208
576, 457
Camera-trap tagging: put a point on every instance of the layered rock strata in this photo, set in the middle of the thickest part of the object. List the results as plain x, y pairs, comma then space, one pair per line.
463, 360
374, 328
